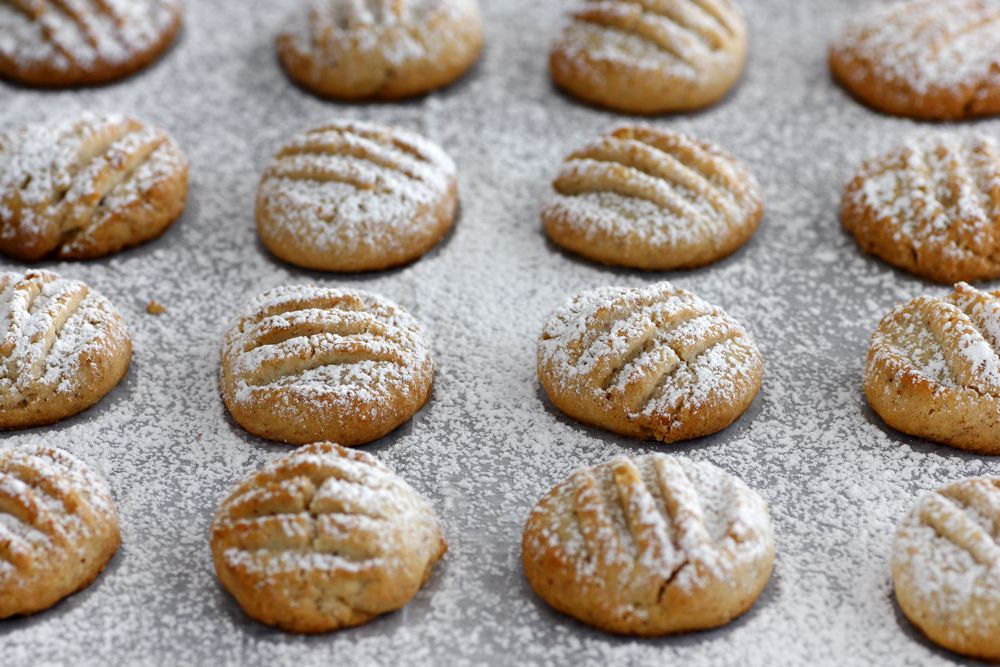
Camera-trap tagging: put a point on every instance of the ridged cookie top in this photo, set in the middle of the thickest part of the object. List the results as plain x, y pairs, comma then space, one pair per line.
53, 509
661, 187
950, 343
50, 328
682, 38
64, 185
352, 184
947, 557
82, 34
927, 45
341, 348
631, 524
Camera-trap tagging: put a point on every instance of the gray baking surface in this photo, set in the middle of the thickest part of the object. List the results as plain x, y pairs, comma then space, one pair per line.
488, 443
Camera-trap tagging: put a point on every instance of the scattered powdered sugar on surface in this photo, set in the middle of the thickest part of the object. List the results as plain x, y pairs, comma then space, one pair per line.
488, 444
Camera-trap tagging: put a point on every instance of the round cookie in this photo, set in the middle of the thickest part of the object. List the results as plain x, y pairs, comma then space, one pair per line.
304, 364
324, 538
387, 49
650, 545
355, 196
931, 207
53, 43
655, 362
653, 199
651, 56
933, 369
946, 567
927, 59
63, 347
87, 187
58, 528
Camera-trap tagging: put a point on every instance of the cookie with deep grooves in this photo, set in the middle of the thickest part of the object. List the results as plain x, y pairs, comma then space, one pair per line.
324, 538
380, 49
932, 207
650, 545
651, 56
63, 347
653, 199
87, 187
304, 364
933, 369
58, 528
654, 362
355, 196
946, 567
929, 59
62, 43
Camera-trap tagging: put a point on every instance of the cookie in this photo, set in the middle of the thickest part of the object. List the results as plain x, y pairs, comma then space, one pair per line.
63, 347
324, 538
946, 567
653, 199
58, 528
654, 362
651, 56
927, 59
54, 43
933, 369
931, 207
87, 187
354, 196
304, 364
385, 50
650, 545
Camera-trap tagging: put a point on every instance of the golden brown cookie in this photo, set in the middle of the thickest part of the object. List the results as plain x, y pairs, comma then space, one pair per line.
929, 59
933, 369
324, 538
654, 362
87, 187
650, 545
57, 43
385, 49
931, 207
304, 364
355, 196
946, 567
653, 199
58, 528
63, 347
651, 56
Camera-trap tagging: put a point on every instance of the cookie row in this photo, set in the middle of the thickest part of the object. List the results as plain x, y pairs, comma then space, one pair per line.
327, 537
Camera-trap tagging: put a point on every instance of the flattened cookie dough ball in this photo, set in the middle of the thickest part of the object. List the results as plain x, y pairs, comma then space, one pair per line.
386, 49
54, 43
931, 207
59, 528
653, 199
63, 347
933, 369
927, 59
654, 362
304, 364
87, 187
946, 567
651, 56
354, 196
324, 538
650, 545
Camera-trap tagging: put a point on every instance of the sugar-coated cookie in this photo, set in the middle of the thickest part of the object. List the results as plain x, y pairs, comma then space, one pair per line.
304, 364
653, 199
87, 187
58, 528
324, 538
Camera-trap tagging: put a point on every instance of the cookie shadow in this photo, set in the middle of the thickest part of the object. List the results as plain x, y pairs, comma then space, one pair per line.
917, 444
